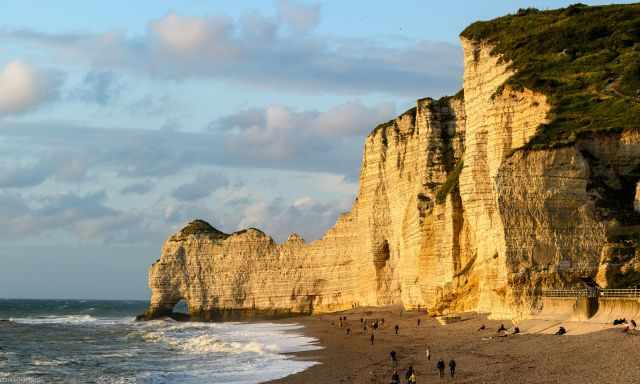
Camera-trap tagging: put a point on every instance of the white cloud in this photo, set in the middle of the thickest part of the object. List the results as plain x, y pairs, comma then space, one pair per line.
352, 119
22, 87
300, 17
88, 217
280, 133
306, 216
99, 87
138, 188
277, 137
282, 52
180, 35
61, 166
204, 184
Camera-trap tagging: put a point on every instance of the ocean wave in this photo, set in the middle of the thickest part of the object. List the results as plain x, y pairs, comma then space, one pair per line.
70, 320
159, 352
209, 344
43, 361
115, 380
229, 338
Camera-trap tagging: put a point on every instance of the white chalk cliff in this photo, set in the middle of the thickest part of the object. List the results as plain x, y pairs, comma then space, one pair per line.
452, 214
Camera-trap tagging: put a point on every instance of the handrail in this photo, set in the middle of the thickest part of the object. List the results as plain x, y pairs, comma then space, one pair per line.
620, 292
567, 293
631, 292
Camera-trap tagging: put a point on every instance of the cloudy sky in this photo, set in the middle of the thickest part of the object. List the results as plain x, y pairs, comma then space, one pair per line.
121, 121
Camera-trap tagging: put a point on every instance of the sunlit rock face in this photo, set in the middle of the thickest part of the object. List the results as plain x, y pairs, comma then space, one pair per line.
452, 214
372, 256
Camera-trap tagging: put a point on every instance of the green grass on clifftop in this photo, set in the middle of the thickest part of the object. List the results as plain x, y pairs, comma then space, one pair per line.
200, 227
586, 60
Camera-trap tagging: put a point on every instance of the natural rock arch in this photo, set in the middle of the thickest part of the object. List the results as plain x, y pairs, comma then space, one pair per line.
181, 307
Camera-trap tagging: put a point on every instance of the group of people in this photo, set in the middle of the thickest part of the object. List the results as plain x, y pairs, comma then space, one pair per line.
628, 325
375, 324
411, 375
502, 330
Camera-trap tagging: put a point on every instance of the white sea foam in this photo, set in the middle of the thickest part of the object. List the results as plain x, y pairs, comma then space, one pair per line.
43, 361
209, 344
181, 352
238, 353
70, 320
231, 338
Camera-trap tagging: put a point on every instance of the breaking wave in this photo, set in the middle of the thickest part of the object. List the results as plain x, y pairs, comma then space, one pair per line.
101, 342
69, 320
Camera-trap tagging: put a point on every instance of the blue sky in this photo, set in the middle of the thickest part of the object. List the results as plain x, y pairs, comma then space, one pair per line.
120, 121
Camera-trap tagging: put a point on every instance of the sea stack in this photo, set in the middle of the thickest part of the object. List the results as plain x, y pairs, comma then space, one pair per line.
525, 180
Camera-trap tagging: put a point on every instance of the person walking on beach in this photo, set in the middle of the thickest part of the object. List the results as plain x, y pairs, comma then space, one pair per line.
371, 338
410, 372
452, 367
394, 359
440, 366
418, 322
395, 378
428, 353
397, 328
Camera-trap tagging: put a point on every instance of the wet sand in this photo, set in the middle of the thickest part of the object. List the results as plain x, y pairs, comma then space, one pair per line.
589, 353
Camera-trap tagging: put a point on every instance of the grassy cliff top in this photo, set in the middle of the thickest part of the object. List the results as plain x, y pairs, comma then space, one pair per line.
201, 227
586, 60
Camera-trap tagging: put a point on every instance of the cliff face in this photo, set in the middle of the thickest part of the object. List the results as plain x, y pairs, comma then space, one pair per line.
372, 256
454, 212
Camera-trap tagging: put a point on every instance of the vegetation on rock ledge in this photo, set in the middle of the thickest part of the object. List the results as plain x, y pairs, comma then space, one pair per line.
198, 227
586, 60
452, 182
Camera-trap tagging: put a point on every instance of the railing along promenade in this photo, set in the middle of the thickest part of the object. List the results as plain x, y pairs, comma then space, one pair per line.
633, 292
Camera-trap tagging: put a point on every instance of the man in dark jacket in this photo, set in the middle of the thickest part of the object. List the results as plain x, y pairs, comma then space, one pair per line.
452, 367
440, 366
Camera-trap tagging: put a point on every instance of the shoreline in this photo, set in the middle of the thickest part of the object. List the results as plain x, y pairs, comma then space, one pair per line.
590, 352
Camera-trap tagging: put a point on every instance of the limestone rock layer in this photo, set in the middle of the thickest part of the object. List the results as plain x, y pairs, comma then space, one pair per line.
453, 213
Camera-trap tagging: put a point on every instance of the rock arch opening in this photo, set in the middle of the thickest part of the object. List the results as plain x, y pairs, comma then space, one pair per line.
181, 307
179, 311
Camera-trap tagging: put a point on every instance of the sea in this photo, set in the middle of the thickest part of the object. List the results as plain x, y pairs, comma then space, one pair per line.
95, 341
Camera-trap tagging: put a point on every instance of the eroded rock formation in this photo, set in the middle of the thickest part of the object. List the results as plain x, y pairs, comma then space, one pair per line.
372, 255
453, 213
